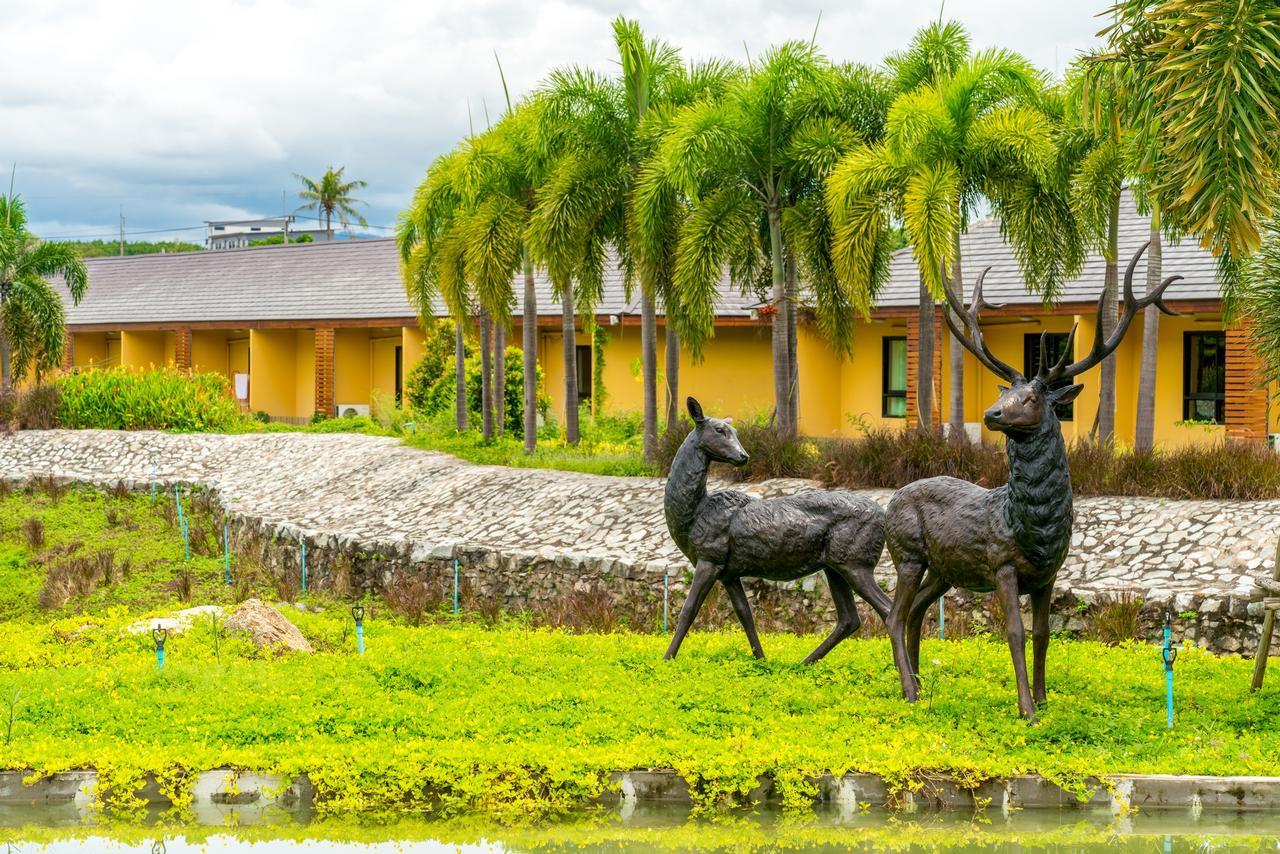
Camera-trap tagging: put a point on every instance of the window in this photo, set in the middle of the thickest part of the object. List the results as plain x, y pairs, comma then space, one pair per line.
894, 378
1054, 345
1204, 376
584, 372
399, 374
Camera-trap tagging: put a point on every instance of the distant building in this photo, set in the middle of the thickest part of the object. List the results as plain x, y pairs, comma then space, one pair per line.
239, 233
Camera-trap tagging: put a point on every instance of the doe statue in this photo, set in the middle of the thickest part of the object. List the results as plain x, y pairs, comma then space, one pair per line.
943, 532
729, 535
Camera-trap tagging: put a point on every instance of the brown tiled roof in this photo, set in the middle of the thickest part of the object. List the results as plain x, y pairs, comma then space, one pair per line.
360, 280
982, 246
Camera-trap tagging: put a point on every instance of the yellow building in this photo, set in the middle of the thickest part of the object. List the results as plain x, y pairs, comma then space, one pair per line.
327, 327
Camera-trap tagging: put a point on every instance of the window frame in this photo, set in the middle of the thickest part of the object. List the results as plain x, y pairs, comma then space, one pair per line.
584, 389
1190, 400
886, 393
1031, 353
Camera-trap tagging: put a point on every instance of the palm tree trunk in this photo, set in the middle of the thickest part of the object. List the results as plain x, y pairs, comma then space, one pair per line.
1107, 381
530, 339
570, 366
793, 364
1145, 426
460, 376
924, 361
955, 353
499, 377
673, 377
486, 377
6, 381
649, 372
781, 327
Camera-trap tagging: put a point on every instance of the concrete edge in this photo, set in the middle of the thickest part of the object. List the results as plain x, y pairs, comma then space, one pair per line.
218, 789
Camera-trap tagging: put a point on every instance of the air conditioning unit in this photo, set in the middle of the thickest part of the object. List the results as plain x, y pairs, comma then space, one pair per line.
346, 410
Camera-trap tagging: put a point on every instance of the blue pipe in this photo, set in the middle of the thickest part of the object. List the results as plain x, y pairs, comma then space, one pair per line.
160, 658
1168, 655
226, 551
665, 578
360, 636
304, 564
942, 617
455, 587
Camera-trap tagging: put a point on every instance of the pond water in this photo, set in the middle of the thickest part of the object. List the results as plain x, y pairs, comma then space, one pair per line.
647, 829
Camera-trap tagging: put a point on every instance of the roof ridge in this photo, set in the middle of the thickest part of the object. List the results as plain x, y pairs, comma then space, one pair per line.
205, 253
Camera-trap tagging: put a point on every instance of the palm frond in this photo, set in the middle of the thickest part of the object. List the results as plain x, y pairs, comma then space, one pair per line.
721, 227
930, 208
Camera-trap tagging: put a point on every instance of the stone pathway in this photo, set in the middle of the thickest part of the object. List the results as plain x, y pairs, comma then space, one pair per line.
349, 489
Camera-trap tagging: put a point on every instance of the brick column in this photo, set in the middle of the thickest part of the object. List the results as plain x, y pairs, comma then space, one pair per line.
1246, 409
68, 350
913, 369
182, 348
324, 370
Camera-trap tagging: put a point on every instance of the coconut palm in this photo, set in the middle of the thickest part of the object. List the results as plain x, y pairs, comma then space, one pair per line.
744, 163
331, 195
32, 320
1202, 85
432, 257
964, 128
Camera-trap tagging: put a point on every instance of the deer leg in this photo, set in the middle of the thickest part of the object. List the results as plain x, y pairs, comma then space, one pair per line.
1007, 588
909, 577
704, 576
847, 619
741, 607
930, 592
862, 578
1040, 602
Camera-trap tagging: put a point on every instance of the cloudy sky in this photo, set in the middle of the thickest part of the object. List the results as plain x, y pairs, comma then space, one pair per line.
181, 112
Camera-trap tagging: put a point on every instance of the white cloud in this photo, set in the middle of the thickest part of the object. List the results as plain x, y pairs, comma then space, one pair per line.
184, 112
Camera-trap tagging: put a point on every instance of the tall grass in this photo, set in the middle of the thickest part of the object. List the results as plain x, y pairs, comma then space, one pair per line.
891, 459
156, 399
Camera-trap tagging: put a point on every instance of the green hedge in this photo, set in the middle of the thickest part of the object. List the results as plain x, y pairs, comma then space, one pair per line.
156, 399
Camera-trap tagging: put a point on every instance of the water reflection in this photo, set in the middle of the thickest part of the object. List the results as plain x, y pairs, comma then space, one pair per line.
63, 828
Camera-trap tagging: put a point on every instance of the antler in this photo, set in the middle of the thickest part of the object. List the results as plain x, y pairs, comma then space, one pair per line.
973, 341
1102, 349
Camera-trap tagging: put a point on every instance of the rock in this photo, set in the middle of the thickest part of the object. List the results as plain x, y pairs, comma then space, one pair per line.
178, 623
266, 627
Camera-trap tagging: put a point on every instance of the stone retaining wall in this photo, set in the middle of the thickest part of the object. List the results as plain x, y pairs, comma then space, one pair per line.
374, 512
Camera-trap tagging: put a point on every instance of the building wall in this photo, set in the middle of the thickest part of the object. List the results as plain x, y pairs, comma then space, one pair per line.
382, 361
92, 348
209, 351
862, 380
145, 349
304, 372
272, 372
413, 339
351, 366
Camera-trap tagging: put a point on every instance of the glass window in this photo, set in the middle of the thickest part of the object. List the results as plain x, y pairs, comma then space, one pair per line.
1054, 345
894, 378
1204, 376
583, 354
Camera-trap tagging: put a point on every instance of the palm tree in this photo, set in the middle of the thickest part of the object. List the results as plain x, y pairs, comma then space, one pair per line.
964, 128
331, 195
744, 163
32, 325
432, 257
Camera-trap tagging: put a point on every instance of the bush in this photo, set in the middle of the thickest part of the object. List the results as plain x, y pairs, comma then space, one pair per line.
890, 459
37, 407
438, 399
156, 399
437, 359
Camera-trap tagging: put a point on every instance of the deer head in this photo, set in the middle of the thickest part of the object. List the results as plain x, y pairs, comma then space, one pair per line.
716, 437
1026, 404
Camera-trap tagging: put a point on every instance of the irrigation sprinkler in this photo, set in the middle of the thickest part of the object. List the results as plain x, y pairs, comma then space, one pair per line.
1168, 654
182, 523
153, 483
159, 634
303, 542
226, 552
455, 587
357, 614
942, 618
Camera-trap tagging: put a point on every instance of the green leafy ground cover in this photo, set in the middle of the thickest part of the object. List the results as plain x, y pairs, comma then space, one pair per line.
499, 717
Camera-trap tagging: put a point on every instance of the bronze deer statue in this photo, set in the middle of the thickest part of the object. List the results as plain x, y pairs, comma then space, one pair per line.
729, 535
943, 532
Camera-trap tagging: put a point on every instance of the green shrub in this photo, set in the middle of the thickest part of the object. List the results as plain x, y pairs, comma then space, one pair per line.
155, 399
438, 399
437, 359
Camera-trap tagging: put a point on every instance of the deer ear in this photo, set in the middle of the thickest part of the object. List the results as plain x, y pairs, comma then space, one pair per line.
1065, 394
695, 411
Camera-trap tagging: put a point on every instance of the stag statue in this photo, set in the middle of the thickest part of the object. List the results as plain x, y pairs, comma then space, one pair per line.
728, 535
944, 533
